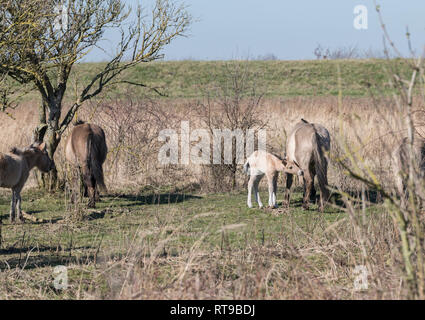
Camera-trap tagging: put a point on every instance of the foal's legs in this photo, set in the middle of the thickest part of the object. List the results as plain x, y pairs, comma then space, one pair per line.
256, 182
250, 189
253, 183
272, 182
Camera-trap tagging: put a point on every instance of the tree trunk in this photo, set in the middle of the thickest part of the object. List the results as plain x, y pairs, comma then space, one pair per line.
39, 134
47, 132
51, 178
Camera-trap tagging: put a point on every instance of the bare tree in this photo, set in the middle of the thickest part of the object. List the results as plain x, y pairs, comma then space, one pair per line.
41, 41
268, 57
340, 53
232, 104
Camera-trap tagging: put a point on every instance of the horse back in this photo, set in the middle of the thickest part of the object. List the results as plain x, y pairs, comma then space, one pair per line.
86, 140
262, 162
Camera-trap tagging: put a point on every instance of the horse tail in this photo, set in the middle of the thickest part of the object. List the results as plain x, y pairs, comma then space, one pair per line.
93, 163
320, 164
86, 165
96, 165
246, 167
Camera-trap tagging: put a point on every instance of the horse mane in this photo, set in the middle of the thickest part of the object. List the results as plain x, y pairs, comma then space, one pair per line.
78, 122
20, 152
16, 151
277, 156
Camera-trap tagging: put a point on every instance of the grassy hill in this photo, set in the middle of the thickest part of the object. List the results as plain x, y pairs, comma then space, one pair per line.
184, 79
181, 79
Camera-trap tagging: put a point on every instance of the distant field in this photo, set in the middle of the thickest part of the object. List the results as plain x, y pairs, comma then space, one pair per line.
280, 78
182, 79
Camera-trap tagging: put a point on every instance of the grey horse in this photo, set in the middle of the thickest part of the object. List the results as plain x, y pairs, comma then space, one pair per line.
307, 145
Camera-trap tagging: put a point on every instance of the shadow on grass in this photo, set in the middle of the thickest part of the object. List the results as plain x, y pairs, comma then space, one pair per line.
371, 196
28, 262
6, 217
152, 199
96, 215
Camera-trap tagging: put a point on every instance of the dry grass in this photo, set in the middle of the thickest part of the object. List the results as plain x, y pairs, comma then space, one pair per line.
316, 262
211, 247
132, 139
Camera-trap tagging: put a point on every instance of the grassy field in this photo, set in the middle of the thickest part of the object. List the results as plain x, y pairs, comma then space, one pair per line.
279, 78
151, 245
182, 79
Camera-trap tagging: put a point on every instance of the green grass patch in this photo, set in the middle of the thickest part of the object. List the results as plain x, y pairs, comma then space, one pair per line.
183, 79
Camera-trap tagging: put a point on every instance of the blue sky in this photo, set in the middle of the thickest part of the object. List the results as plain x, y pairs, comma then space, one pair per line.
227, 29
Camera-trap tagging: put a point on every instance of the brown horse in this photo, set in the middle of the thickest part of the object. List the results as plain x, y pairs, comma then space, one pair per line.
306, 145
86, 149
15, 168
